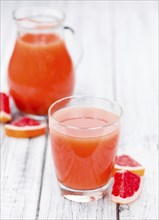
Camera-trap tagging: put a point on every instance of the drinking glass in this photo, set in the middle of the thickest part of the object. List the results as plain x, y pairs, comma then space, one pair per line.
84, 134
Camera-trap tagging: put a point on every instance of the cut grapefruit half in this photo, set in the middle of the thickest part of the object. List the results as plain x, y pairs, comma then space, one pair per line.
25, 128
5, 115
127, 187
125, 162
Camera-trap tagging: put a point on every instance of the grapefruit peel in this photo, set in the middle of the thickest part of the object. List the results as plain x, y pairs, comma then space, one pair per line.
5, 115
121, 184
25, 128
125, 162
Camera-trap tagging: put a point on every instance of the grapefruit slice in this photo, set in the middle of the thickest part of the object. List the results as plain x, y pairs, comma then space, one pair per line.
127, 187
5, 115
25, 128
125, 162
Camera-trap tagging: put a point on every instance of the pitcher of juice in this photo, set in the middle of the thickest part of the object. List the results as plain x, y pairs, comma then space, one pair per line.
40, 69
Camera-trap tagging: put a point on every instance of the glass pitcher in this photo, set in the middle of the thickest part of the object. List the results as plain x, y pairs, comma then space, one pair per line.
40, 69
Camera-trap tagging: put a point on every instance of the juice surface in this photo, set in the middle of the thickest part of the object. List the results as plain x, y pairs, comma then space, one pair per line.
84, 157
40, 72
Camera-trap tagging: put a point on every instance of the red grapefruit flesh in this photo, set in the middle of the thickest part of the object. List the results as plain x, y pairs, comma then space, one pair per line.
125, 162
25, 128
5, 115
127, 187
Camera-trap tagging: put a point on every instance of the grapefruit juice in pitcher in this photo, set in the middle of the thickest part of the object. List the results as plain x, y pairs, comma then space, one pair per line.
40, 69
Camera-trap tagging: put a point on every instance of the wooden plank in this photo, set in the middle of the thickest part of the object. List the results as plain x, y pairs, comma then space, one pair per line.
146, 206
21, 173
94, 76
136, 69
21, 159
8, 33
135, 28
120, 55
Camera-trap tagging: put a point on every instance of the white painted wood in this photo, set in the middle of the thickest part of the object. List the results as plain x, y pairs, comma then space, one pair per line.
120, 62
8, 34
146, 206
21, 173
136, 68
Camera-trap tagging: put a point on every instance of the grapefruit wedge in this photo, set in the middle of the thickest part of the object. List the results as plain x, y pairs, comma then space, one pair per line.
127, 187
25, 128
5, 115
125, 162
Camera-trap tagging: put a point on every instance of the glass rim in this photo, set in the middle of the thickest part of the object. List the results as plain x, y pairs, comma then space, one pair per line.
60, 17
90, 97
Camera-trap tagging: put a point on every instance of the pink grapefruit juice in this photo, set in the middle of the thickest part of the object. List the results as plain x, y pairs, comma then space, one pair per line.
84, 145
40, 72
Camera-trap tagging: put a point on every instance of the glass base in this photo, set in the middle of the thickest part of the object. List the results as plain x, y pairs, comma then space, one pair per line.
84, 195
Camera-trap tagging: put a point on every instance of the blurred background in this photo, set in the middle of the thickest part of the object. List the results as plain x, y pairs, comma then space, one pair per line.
120, 55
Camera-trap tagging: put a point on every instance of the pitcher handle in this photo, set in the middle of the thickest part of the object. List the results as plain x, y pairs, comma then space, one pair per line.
79, 57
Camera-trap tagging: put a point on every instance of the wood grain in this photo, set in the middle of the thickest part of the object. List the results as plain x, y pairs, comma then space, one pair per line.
120, 41
21, 175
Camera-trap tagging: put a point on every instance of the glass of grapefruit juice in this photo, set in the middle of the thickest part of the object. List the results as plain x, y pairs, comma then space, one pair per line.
40, 70
84, 134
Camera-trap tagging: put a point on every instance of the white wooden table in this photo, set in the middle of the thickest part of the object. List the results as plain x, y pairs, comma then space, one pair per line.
120, 41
